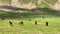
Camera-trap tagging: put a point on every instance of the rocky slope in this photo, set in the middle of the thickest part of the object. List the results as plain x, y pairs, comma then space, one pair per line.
41, 3
57, 5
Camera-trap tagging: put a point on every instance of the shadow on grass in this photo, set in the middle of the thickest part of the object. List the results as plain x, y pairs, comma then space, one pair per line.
31, 13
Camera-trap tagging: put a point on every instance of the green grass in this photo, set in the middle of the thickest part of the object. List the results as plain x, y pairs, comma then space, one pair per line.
53, 17
29, 27
5, 1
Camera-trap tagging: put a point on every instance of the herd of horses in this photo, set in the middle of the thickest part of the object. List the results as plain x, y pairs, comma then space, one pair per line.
21, 22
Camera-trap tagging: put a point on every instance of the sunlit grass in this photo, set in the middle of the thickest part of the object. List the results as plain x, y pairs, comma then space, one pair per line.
29, 27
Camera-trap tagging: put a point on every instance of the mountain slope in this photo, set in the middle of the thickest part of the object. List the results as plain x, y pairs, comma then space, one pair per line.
55, 4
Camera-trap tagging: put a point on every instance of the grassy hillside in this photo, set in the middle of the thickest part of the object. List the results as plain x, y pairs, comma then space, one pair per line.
52, 16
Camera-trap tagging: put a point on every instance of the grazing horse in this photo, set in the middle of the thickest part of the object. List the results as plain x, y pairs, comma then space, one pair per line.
46, 23
3, 18
29, 19
35, 22
10, 23
21, 22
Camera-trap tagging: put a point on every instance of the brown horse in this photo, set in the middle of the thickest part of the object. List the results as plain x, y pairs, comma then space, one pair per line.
10, 23
46, 23
21, 23
35, 22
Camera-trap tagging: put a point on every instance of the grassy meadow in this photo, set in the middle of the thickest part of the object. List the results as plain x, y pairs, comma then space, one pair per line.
52, 16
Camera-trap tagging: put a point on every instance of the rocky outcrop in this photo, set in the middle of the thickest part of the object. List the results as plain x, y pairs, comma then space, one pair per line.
16, 3
57, 5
